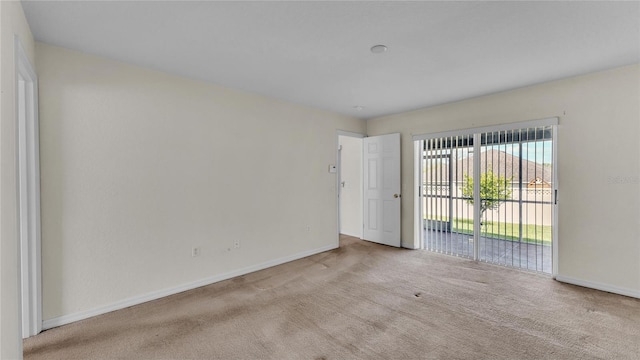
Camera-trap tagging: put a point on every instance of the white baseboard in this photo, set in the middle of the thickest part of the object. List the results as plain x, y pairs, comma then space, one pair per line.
599, 286
410, 246
66, 319
348, 233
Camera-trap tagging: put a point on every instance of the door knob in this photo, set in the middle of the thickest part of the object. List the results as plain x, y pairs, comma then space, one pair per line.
396, 195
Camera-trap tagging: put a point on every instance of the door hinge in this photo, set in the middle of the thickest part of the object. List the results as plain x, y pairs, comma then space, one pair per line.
555, 197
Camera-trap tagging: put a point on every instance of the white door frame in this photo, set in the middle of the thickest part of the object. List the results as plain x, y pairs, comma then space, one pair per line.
418, 153
339, 173
28, 180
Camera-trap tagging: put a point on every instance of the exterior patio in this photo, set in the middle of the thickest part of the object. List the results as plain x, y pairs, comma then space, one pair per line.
533, 257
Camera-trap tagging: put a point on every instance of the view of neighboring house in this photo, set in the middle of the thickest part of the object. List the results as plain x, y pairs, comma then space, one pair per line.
530, 182
499, 162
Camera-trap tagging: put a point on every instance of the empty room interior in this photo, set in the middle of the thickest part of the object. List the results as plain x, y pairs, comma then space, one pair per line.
319, 180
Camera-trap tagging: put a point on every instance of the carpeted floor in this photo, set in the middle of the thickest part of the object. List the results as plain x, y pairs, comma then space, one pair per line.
363, 301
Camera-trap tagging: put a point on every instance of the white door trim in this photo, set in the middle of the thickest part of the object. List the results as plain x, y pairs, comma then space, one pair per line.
417, 203
28, 180
554, 154
351, 134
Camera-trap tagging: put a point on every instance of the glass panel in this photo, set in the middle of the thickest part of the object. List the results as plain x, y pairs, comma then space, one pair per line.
515, 190
448, 214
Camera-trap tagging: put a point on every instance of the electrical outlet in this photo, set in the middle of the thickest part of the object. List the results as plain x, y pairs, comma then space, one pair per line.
236, 244
308, 228
195, 251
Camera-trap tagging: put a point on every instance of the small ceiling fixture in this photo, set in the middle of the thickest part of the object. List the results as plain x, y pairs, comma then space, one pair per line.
378, 49
358, 108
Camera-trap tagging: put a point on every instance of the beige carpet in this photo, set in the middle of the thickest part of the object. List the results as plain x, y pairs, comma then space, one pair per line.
363, 301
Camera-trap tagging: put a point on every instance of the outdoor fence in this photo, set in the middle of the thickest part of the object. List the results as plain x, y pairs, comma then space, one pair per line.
537, 206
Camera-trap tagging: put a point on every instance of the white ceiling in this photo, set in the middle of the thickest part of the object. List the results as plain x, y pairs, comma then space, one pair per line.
317, 53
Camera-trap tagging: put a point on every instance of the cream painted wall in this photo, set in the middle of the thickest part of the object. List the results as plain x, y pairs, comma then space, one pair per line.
12, 22
598, 165
351, 192
138, 167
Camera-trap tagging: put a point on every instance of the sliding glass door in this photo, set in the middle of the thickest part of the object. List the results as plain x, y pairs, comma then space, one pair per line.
490, 195
448, 214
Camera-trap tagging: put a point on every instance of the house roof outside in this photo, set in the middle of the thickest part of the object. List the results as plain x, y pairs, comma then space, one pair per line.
538, 183
499, 162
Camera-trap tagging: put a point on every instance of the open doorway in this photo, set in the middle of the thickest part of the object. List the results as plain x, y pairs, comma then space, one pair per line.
368, 184
350, 184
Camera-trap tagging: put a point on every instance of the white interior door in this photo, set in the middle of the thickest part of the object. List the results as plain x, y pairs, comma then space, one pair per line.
381, 183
